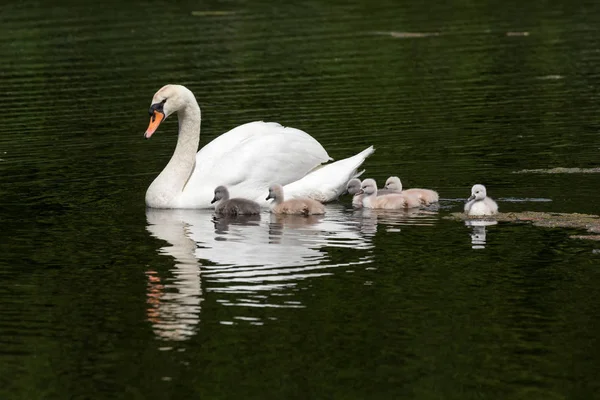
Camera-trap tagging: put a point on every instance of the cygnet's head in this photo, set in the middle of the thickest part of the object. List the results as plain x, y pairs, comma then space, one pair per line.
478, 192
221, 193
393, 183
169, 99
276, 193
353, 186
369, 187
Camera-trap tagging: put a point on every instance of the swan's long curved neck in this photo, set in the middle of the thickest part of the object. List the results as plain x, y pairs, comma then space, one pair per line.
170, 183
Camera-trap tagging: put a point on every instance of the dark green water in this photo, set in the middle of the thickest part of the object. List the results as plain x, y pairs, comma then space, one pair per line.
100, 298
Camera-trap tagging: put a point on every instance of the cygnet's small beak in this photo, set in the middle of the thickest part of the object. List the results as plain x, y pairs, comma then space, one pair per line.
213, 200
268, 197
156, 117
472, 197
361, 191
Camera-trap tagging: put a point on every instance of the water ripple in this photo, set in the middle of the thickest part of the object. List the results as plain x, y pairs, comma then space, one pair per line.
250, 260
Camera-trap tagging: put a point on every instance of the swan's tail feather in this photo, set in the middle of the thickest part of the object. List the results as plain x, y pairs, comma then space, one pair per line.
329, 182
356, 175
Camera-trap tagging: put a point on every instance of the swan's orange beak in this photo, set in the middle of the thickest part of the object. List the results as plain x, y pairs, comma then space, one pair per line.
155, 119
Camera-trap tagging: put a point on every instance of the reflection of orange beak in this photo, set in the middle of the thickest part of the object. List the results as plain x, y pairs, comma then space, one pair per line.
155, 121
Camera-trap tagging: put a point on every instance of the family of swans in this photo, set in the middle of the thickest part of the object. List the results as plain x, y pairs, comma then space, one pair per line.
241, 170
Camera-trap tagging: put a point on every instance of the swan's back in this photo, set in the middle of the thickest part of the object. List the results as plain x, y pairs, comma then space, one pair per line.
383, 191
248, 158
427, 196
395, 201
238, 207
299, 206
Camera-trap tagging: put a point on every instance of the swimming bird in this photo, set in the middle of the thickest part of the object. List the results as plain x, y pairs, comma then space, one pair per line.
247, 159
304, 206
237, 206
479, 204
393, 201
427, 196
354, 186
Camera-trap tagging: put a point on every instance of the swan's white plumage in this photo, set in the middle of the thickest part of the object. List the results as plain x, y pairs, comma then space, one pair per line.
329, 181
247, 159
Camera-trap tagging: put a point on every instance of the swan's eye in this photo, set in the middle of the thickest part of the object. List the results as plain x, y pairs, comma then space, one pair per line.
157, 107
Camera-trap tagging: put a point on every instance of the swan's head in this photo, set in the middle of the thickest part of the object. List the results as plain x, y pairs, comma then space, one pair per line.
169, 99
221, 193
478, 192
275, 193
353, 186
393, 183
369, 187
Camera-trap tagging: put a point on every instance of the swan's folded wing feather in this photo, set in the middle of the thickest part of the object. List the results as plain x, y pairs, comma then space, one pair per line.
328, 182
250, 157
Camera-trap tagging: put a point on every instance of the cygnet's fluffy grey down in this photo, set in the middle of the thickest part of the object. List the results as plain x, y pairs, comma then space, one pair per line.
302, 206
479, 204
427, 196
237, 206
354, 186
393, 201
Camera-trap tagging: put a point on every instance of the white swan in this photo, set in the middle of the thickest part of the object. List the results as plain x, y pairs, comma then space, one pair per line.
247, 159
479, 204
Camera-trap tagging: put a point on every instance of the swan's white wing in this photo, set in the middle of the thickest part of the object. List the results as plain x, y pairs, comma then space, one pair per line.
328, 182
250, 158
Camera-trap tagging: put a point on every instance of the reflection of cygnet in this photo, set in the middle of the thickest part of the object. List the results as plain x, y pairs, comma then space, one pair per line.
393, 201
479, 204
303, 206
236, 206
478, 237
427, 196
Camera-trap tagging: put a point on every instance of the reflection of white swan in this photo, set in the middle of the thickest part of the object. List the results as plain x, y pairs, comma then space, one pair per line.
248, 261
478, 236
174, 303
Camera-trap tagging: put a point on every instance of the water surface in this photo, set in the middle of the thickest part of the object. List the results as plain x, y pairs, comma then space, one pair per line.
101, 298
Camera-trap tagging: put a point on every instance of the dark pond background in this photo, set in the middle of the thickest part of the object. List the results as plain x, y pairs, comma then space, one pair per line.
101, 298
